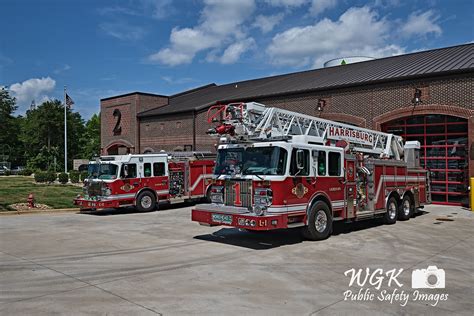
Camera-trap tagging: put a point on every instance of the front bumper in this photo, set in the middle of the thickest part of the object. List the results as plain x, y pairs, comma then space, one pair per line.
101, 204
212, 216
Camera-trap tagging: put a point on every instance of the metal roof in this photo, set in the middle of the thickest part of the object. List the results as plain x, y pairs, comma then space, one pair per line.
442, 61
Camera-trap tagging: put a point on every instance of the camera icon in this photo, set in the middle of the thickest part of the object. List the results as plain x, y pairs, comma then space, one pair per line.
429, 278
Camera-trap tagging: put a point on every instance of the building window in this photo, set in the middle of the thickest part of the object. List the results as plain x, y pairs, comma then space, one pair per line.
188, 147
178, 124
162, 126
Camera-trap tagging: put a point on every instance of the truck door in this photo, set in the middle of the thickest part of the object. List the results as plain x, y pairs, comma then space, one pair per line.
160, 178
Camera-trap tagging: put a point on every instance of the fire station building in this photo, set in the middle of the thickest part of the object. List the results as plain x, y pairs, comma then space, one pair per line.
425, 96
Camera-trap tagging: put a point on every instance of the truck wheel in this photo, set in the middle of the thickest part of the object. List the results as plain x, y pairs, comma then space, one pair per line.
406, 208
319, 222
390, 216
146, 202
207, 198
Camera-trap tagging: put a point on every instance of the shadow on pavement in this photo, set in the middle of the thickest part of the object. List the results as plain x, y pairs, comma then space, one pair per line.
254, 240
272, 239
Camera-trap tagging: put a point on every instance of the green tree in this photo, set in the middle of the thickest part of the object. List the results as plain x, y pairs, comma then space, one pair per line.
91, 138
43, 135
9, 126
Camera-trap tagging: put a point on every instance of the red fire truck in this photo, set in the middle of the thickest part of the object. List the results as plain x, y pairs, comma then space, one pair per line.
281, 169
145, 180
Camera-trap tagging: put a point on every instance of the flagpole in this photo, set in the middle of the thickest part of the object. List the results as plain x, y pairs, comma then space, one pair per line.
65, 131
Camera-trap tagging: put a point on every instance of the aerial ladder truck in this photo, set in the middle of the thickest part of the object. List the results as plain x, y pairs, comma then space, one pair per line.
282, 169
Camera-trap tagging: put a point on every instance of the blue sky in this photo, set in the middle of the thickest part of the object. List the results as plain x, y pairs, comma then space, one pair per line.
104, 48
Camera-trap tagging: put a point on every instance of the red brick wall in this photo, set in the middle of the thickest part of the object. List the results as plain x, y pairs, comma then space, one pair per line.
166, 133
129, 106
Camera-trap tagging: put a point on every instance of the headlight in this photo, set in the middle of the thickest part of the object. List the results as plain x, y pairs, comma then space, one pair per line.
106, 190
217, 194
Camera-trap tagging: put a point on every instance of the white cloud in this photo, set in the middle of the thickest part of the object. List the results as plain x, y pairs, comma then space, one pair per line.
178, 81
266, 23
421, 24
233, 52
286, 3
32, 89
122, 31
319, 6
357, 31
159, 9
64, 68
220, 24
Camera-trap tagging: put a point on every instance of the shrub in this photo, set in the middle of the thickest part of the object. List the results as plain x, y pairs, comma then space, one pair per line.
50, 176
40, 176
84, 175
74, 176
63, 178
25, 172
8, 173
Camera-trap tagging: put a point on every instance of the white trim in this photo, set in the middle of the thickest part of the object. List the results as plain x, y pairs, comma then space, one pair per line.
201, 176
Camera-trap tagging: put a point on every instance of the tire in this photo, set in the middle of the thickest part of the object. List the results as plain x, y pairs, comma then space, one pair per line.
146, 202
319, 222
207, 198
406, 208
390, 216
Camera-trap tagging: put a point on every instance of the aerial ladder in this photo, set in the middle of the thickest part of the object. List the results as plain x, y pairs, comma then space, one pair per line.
252, 122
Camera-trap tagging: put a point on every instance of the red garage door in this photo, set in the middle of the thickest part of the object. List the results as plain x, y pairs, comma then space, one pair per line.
443, 142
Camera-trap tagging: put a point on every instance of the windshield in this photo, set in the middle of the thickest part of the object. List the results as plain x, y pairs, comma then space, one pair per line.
251, 161
93, 170
106, 171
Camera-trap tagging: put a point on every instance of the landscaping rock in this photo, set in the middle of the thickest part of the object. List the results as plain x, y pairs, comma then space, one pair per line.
24, 207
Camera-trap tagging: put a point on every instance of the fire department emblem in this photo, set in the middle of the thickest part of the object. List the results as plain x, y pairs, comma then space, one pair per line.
126, 187
299, 190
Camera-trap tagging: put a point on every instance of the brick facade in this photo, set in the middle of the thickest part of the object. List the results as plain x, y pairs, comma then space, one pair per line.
367, 106
128, 105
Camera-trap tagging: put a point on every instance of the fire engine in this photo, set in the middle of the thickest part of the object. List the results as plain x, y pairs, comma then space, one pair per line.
146, 180
281, 169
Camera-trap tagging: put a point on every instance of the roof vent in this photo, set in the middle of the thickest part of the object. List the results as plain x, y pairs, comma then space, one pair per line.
346, 60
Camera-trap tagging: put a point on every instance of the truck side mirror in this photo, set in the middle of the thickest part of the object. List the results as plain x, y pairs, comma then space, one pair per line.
300, 159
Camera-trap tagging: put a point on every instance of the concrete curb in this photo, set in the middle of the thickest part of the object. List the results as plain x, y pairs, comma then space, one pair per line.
47, 211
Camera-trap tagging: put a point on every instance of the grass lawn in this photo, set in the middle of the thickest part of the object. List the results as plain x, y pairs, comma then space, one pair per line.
14, 189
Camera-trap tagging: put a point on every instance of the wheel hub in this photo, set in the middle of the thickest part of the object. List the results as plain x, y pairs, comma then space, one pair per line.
392, 210
146, 202
321, 221
406, 207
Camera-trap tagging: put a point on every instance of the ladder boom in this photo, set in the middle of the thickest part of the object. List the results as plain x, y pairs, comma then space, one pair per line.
255, 122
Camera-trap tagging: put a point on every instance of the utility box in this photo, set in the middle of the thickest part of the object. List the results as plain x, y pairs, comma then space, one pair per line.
412, 153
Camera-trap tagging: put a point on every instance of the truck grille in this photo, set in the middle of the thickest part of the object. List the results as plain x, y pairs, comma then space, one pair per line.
245, 188
94, 188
